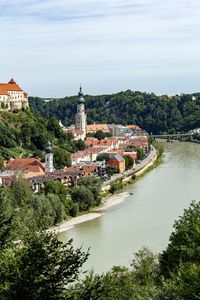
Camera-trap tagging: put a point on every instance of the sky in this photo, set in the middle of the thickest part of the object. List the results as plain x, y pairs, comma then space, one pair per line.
51, 46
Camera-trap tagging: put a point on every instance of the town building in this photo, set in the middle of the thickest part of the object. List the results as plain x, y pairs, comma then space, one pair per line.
92, 128
25, 167
117, 162
81, 118
12, 96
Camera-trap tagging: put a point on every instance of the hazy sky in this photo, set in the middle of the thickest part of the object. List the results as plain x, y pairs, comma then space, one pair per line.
50, 46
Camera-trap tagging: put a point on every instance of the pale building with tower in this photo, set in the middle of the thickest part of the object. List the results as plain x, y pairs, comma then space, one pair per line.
81, 117
49, 168
12, 96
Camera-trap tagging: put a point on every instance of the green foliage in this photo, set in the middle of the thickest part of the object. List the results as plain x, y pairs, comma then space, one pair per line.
119, 283
87, 194
61, 158
41, 267
83, 197
79, 145
153, 113
183, 285
21, 191
100, 135
116, 186
140, 153
146, 267
8, 137
27, 133
94, 185
58, 207
103, 156
184, 241
56, 188
128, 162
44, 213
54, 127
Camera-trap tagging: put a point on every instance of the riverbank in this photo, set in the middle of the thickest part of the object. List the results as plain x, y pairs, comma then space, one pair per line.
110, 200
95, 213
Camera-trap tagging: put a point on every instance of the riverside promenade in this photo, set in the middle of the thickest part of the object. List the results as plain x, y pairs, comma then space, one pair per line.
137, 170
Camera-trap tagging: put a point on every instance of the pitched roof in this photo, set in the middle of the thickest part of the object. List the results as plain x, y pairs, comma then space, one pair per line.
134, 127
25, 165
96, 127
117, 157
10, 86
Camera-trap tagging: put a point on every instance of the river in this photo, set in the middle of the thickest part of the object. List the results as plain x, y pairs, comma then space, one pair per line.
146, 217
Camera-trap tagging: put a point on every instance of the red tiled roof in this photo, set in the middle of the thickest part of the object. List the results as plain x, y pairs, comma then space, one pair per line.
88, 169
96, 127
134, 127
10, 86
24, 165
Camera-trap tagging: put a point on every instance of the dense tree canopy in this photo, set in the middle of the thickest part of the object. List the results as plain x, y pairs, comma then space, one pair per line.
153, 113
39, 266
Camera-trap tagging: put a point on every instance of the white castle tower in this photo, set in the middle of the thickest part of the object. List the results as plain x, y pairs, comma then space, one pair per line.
81, 118
49, 159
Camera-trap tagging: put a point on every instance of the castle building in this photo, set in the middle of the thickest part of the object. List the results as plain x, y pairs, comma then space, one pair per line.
12, 96
49, 168
81, 118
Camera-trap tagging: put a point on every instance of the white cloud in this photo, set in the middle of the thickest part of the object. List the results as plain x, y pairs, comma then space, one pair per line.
133, 42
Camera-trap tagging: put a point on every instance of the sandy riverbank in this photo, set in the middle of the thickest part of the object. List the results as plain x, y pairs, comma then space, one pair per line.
96, 213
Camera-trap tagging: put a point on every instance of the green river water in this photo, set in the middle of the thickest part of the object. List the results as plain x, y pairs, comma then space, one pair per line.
146, 217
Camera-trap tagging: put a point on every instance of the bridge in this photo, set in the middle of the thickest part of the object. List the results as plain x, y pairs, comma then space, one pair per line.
175, 136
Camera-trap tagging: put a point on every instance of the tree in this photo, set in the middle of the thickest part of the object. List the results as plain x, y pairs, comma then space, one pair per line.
44, 213
80, 145
183, 244
83, 196
54, 127
140, 153
41, 267
93, 184
100, 135
61, 158
103, 156
145, 266
119, 283
128, 161
56, 188
58, 207
21, 190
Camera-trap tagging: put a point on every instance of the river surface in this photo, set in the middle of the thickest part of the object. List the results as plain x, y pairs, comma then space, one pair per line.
145, 218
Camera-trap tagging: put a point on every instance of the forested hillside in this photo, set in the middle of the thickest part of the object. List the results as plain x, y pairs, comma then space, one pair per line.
153, 113
25, 134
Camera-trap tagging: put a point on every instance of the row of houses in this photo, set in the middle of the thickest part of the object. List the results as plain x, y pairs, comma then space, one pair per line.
84, 163
114, 129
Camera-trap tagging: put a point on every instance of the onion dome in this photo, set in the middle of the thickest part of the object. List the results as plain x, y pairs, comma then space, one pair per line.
80, 96
48, 147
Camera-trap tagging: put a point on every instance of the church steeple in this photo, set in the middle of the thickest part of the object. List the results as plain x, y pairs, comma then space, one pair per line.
81, 119
49, 159
80, 91
80, 96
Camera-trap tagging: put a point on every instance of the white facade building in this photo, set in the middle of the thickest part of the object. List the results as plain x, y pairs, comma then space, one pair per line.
12, 96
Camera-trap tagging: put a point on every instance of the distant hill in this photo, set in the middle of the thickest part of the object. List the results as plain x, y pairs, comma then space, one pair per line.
153, 113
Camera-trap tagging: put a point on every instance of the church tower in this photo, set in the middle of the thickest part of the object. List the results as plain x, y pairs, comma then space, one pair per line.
81, 118
49, 159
